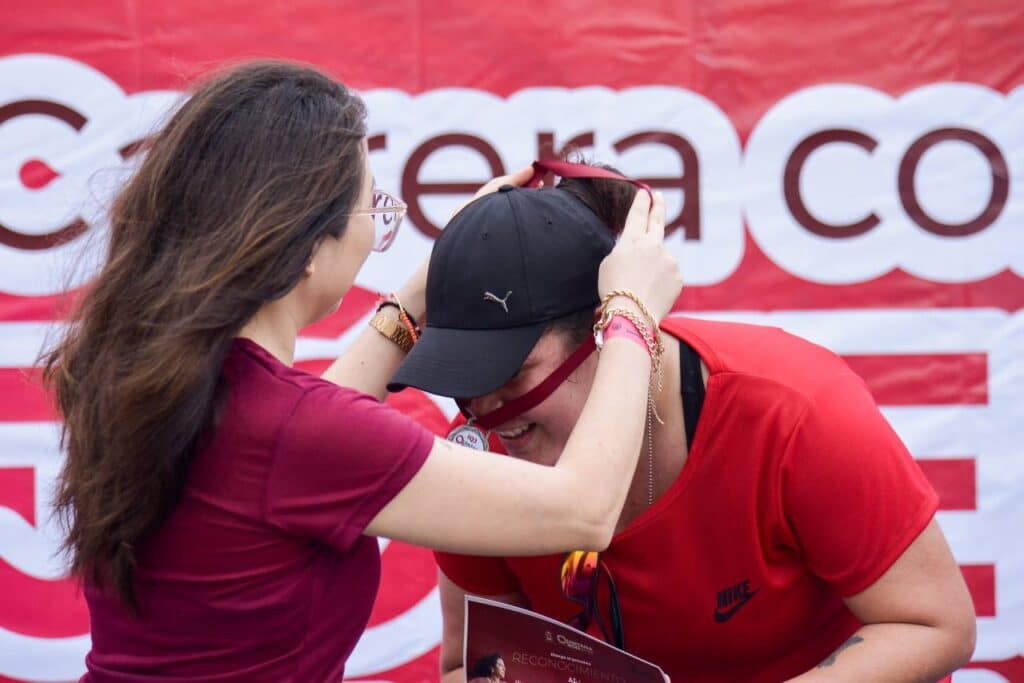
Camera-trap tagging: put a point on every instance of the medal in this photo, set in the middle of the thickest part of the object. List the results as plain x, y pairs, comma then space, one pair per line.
469, 436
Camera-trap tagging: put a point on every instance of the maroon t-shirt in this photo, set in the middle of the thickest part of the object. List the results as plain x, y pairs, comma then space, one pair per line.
262, 572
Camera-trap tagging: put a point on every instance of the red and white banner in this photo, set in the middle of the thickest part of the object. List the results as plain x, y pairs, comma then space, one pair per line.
853, 173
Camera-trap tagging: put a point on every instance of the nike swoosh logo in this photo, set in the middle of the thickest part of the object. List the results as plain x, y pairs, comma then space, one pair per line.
723, 616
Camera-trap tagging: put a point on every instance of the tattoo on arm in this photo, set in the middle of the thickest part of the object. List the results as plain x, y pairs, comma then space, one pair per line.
831, 659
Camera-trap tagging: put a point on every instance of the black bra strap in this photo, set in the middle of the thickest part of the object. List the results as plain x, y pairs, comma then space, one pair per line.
692, 389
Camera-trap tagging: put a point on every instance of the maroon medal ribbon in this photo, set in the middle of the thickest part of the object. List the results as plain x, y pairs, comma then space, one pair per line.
534, 397
472, 436
568, 169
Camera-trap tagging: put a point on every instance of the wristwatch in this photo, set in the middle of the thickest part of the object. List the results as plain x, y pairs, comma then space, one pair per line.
392, 330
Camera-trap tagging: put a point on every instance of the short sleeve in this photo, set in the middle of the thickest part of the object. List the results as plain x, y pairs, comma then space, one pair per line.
479, 575
851, 493
340, 458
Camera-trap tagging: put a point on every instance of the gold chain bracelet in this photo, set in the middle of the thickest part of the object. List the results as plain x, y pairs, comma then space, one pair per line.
652, 337
654, 347
635, 299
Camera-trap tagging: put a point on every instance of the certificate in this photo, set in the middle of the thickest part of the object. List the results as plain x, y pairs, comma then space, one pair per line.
507, 643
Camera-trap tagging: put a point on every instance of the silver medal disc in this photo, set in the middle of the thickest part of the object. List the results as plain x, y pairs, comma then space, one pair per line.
469, 436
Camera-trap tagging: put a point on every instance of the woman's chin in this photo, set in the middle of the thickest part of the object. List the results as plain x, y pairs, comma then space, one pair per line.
531, 446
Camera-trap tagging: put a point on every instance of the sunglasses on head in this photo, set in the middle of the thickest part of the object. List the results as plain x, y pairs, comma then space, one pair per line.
581, 573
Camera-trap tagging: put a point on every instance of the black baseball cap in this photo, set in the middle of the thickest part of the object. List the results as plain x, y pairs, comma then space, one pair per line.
504, 267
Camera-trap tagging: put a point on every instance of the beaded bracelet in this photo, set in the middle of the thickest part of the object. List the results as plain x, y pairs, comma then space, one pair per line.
404, 316
406, 319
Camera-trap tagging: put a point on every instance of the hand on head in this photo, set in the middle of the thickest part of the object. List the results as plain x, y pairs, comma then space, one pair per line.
516, 178
640, 262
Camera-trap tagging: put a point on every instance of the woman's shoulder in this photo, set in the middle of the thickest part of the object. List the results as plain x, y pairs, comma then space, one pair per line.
761, 355
247, 361
267, 400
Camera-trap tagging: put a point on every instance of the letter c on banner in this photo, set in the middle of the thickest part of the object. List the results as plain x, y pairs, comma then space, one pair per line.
413, 189
74, 119
791, 183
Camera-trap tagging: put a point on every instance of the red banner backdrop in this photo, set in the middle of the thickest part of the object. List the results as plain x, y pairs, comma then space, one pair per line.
847, 171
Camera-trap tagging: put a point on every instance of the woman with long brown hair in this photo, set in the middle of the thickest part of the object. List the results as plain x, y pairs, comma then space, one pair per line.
220, 505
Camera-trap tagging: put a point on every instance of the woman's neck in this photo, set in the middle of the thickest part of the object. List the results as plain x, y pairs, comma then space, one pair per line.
670, 447
275, 329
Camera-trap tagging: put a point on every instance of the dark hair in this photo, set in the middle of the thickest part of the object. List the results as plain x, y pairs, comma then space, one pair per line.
484, 667
250, 174
610, 200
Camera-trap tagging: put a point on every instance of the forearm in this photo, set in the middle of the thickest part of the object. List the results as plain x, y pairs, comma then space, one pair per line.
892, 653
601, 454
369, 362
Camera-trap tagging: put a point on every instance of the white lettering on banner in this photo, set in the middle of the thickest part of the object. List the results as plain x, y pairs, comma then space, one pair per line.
67, 135
988, 432
844, 183
840, 183
439, 146
31, 549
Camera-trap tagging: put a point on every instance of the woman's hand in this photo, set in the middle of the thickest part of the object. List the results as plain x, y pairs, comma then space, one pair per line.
640, 262
516, 178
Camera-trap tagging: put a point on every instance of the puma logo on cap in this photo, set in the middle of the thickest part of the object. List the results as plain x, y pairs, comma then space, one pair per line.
493, 297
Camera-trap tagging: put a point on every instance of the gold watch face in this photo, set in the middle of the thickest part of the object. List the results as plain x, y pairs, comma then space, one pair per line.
393, 330
386, 324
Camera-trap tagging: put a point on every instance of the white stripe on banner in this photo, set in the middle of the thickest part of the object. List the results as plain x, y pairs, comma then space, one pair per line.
400, 640
20, 343
43, 660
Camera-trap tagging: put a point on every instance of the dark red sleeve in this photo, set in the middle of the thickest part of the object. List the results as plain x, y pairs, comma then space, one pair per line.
853, 496
479, 575
340, 458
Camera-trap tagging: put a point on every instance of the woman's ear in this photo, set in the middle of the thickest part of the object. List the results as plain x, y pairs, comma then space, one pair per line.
309, 269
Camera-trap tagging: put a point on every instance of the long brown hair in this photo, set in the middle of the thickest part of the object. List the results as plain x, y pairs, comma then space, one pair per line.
235, 193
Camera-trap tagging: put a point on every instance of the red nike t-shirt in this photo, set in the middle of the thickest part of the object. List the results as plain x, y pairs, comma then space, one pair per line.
795, 494
262, 572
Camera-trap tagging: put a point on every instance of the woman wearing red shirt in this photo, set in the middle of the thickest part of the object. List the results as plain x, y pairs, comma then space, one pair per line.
776, 527
220, 505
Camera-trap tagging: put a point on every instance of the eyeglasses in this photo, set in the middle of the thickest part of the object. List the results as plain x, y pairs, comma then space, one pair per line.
387, 211
581, 574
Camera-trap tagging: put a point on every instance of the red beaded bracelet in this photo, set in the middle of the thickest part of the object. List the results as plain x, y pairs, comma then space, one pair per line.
406, 319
